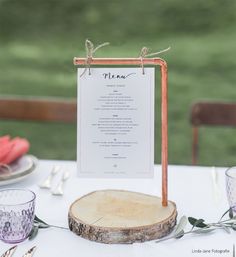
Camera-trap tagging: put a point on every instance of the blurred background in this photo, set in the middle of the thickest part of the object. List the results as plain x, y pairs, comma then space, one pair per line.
38, 40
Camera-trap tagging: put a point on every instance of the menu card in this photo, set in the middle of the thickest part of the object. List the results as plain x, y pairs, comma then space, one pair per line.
115, 132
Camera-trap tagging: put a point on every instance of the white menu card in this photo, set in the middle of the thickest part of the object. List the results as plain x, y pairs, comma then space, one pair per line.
115, 134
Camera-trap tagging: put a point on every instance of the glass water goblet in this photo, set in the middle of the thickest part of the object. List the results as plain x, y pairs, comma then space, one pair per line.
231, 187
17, 211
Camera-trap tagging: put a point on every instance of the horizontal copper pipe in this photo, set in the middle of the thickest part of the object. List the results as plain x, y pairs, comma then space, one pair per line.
120, 61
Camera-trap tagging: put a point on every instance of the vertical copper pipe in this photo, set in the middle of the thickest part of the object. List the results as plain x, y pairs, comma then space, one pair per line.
164, 132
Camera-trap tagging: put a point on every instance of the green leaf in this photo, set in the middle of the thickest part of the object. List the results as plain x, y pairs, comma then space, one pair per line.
199, 223
38, 220
233, 226
203, 231
192, 220
181, 225
226, 229
225, 214
180, 234
42, 225
231, 213
33, 232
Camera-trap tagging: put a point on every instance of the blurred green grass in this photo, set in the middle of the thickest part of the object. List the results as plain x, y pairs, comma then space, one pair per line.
199, 68
38, 40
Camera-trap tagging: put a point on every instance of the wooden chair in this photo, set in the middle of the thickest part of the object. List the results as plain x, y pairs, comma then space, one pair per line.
38, 109
210, 114
57, 111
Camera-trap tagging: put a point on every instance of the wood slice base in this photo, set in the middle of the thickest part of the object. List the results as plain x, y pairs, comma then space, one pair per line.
121, 217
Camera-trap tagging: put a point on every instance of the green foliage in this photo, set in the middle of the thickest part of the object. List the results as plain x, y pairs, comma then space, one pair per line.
199, 227
198, 223
40, 224
199, 68
117, 19
38, 40
179, 230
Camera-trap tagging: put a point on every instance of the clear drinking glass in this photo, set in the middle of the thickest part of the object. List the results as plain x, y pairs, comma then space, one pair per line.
17, 207
231, 187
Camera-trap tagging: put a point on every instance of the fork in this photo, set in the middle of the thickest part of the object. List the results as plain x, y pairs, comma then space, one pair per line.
59, 188
215, 182
30, 252
47, 183
9, 252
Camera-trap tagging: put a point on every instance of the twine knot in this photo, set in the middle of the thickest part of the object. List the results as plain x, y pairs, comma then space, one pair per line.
144, 53
90, 50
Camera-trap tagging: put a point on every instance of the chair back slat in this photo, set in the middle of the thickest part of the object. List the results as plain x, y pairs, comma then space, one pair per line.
210, 114
38, 109
222, 114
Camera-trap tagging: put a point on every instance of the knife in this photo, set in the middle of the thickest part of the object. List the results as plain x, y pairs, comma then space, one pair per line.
30, 253
9, 252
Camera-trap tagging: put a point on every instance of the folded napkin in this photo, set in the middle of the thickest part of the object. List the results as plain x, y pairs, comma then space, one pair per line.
12, 149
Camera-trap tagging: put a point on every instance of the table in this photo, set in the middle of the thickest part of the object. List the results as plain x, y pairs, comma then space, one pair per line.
190, 187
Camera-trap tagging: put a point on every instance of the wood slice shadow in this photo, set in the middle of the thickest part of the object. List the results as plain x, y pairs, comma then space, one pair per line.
121, 217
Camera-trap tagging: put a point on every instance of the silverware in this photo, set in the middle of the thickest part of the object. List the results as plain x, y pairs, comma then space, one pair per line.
215, 183
59, 188
30, 253
47, 183
9, 252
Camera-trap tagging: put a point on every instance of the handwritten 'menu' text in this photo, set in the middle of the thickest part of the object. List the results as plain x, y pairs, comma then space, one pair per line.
109, 75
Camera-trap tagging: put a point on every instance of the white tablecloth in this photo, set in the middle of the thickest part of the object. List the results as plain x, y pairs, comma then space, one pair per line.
191, 188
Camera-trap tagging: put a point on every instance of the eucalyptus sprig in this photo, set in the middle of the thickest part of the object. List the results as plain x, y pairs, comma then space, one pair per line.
40, 224
199, 226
